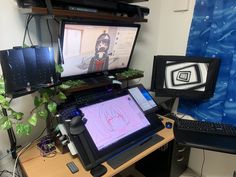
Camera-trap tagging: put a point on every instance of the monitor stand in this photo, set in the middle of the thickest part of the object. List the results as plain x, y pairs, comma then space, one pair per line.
128, 154
175, 105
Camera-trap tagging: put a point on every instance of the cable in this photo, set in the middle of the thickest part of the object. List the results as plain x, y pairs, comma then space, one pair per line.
28, 19
182, 116
18, 170
24, 149
204, 158
29, 36
9, 172
56, 20
50, 33
4, 156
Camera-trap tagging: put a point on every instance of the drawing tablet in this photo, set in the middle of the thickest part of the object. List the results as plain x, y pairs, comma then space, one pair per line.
113, 125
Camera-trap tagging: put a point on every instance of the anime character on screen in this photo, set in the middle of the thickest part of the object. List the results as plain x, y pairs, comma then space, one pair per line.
100, 61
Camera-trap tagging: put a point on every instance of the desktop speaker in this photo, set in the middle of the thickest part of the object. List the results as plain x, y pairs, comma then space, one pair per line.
45, 65
14, 71
30, 65
26, 69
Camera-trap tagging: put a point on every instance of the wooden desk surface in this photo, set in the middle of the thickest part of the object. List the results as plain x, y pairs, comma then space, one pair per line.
34, 165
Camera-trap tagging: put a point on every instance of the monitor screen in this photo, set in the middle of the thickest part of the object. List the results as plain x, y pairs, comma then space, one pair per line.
185, 77
96, 47
112, 120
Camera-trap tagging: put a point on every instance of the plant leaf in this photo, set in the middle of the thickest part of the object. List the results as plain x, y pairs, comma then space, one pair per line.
42, 114
7, 124
37, 101
17, 115
23, 129
64, 86
59, 68
52, 107
45, 97
33, 120
62, 96
3, 119
2, 86
4, 103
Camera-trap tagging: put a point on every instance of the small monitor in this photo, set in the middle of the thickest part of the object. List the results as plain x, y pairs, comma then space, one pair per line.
144, 99
185, 77
95, 47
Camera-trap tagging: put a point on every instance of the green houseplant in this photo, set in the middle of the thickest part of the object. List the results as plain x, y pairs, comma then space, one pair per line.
45, 106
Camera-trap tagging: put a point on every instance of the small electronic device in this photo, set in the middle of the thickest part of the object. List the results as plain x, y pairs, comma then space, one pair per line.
72, 167
46, 146
168, 125
112, 125
144, 99
185, 77
95, 47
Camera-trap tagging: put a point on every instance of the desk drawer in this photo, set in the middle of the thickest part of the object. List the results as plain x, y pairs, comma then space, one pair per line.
169, 161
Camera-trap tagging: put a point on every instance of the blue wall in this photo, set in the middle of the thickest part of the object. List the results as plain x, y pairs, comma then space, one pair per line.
213, 34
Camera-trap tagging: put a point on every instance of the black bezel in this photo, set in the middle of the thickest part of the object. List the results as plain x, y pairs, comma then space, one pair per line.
93, 23
158, 77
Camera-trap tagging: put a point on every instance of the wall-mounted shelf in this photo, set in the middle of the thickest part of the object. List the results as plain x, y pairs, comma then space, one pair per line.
128, 1
94, 83
80, 14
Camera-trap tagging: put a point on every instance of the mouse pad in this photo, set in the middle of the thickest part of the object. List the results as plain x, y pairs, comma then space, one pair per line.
128, 154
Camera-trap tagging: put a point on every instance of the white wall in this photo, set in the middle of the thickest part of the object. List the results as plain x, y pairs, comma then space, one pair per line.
166, 33
147, 41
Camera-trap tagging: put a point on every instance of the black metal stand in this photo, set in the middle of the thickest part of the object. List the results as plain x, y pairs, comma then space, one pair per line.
12, 138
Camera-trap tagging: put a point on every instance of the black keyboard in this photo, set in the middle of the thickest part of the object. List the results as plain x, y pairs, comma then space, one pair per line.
206, 127
84, 99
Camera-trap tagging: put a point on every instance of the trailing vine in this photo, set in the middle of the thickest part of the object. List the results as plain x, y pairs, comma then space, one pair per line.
45, 106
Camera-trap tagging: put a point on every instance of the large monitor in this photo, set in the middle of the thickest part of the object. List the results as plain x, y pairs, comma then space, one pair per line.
185, 77
94, 47
113, 125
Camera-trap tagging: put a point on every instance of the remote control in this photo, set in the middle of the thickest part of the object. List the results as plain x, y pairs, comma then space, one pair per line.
73, 168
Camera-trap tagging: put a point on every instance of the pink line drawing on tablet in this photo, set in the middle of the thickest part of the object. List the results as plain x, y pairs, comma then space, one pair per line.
113, 118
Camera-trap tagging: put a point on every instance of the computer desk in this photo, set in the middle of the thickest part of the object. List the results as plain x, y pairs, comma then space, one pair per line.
34, 165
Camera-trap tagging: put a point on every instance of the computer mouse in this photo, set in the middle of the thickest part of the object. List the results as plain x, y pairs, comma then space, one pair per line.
169, 125
98, 171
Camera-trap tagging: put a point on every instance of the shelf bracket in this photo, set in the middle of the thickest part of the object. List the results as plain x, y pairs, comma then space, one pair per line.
12, 138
